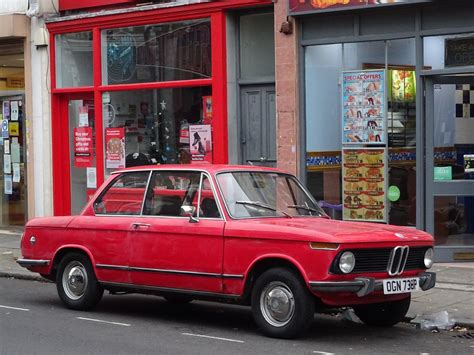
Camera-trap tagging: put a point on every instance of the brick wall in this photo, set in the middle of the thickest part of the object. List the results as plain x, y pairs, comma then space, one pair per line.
286, 62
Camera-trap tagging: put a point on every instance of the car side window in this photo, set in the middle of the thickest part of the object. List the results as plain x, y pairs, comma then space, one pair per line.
208, 205
124, 195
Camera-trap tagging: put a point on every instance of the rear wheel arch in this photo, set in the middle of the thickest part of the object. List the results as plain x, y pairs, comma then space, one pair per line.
61, 253
267, 263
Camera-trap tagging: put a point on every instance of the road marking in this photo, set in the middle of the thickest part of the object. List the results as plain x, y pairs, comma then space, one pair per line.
210, 337
322, 352
453, 286
15, 308
103, 321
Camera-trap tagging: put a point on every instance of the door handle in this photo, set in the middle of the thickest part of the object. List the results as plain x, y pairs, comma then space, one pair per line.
140, 225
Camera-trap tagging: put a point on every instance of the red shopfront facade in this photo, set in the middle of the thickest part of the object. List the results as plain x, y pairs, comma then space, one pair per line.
129, 84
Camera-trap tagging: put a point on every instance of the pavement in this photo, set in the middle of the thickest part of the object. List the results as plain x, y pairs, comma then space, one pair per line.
451, 300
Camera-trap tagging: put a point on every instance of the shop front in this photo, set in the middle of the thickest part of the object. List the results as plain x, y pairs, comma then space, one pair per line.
137, 86
387, 114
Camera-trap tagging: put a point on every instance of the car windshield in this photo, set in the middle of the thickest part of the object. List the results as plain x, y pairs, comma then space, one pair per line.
266, 194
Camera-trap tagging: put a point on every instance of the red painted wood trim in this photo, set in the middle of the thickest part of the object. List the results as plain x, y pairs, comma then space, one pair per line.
75, 5
82, 89
99, 129
157, 85
153, 16
219, 88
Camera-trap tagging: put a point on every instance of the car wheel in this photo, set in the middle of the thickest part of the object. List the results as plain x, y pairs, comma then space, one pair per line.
384, 314
282, 306
76, 282
178, 299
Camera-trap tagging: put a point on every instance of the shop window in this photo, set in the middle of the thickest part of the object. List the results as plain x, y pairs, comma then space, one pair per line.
166, 126
257, 46
164, 52
442, 52
74, 59
323, 69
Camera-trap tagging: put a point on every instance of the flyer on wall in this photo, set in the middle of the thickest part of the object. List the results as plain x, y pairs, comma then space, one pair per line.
364, 184
200, 143
364, 107
83, 156
115, 148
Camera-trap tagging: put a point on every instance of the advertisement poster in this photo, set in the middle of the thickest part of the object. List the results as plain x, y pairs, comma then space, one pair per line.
200, 143
83, 116
6, 110
8, 188
14, 110
83, 155
468, 163
5, 128
14, 129
402, 85
207, 109
115, 148
364, 184
363, 107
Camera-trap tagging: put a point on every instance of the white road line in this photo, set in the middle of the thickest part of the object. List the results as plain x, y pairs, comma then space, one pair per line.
453, 286
15, 308
322, 352
103, 321
210, 337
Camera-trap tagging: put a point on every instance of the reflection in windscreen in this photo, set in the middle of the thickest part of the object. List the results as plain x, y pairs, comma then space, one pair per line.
259, 194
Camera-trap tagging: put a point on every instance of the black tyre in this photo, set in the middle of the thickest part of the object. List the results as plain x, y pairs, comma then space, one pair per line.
178, 298
76, 282
384, 314
282, 305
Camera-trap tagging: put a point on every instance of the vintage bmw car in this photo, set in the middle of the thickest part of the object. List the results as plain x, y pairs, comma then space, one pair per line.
246, 234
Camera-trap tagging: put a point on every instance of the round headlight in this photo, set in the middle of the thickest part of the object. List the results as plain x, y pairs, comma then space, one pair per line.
428, 260
347, 262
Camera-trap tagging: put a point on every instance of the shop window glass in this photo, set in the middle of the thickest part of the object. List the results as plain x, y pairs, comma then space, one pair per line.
164, 52
74, 60
454, 220
257, 46
442, 52
323, 68
166, 126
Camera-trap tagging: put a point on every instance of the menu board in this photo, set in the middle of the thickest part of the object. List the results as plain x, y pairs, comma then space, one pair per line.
364, 184
364, 107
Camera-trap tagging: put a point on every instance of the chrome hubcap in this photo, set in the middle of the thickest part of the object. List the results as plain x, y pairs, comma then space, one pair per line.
277, 304
75, 280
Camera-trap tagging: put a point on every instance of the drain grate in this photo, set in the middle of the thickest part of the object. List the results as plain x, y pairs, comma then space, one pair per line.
465, 336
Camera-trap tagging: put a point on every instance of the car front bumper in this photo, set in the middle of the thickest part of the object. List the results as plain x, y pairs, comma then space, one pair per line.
363, 286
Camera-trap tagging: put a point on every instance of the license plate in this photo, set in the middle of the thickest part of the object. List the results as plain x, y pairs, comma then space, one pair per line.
394, 286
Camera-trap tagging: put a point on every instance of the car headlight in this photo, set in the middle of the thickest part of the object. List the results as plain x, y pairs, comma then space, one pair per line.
428, 259
347, 262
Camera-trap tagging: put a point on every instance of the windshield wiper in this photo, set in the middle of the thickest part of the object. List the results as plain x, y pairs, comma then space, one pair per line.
263, 205
307, 208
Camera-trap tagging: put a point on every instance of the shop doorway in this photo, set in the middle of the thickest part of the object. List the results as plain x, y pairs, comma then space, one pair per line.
449, 173
76, 174
258, 125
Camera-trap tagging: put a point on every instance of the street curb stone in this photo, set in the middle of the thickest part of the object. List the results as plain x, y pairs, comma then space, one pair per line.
18, 276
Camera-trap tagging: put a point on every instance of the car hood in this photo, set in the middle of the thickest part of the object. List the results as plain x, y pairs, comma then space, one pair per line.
328, 230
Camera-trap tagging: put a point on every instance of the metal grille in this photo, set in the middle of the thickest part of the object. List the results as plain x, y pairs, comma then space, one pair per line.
376, 260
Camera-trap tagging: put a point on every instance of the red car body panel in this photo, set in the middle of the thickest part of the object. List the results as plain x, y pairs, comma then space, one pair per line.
215, 255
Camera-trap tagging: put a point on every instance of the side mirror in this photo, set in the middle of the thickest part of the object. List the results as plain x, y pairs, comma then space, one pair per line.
188, 211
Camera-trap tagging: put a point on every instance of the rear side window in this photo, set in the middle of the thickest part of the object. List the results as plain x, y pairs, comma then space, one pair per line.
124, 195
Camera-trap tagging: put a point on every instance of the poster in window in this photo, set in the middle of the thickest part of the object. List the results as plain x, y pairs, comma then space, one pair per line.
364, 107
200, 143
83, 155
14, 110
115, 148
364, 173
207, 109
6, 110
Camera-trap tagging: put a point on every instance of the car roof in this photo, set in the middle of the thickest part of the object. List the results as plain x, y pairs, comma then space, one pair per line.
211, 168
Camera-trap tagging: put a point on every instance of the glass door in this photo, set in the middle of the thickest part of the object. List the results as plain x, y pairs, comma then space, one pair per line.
449, 122
82, 152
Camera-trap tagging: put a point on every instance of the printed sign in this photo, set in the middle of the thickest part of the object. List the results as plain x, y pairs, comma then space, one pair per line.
311, 6
14, 129
363, 107
364, 184
5, 128
6, 109
469, 163
83, 116
207, 109
443, 173
14, 110
200, 143
115, 148
83, 155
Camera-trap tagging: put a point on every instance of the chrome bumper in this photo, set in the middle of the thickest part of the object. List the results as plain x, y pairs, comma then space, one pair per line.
362, 286
32, 262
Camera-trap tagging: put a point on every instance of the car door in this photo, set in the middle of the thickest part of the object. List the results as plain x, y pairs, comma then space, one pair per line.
176, 250
116, 210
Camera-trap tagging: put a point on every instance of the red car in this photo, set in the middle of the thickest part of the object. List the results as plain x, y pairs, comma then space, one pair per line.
246, 234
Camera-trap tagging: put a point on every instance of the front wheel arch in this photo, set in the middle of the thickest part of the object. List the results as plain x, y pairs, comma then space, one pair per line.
61, 253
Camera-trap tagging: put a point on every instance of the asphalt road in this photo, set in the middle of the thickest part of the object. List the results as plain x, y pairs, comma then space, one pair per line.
33, 321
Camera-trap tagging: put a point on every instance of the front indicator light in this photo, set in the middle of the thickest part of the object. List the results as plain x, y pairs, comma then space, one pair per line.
428, 260
347, 262
324, 246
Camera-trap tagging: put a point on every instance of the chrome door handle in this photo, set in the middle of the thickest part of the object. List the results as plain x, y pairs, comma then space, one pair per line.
140, 225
